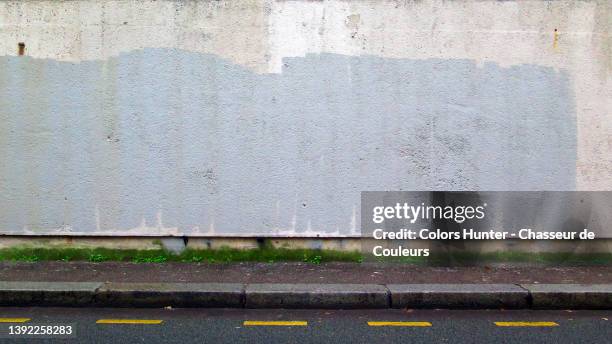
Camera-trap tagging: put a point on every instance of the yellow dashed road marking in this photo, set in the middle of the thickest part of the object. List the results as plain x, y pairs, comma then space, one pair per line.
525, 323
14, 320
400, 323
129, 321
275, 323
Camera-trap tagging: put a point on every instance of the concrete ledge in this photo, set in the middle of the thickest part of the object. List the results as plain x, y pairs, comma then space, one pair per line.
316, 296
72, 294
331, 296
458, 296
170, 294
570, 296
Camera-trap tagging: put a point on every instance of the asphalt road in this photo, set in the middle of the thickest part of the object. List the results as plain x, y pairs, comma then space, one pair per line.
104, 325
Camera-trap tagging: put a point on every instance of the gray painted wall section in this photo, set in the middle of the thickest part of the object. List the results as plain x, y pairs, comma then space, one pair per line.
164, 141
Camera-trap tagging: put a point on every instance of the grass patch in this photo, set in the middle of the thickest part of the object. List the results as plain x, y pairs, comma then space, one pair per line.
272, 255
224, 255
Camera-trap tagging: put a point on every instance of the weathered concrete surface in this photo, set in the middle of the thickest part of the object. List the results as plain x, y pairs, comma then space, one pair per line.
268, 118
62, 242
195, 149
302, 273
560, 296
343, 296
25, 293
330, 243
457, 296
170, 294
291, 296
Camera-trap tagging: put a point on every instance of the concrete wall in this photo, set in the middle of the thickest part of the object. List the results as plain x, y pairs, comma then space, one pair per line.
267, 118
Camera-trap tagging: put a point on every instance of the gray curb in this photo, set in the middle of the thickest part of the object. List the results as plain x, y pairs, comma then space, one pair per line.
331, 296
170, 294
316, 296
458, 296
570, 296
48, 293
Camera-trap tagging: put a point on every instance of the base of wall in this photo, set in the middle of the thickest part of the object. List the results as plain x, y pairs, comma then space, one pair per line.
175, 244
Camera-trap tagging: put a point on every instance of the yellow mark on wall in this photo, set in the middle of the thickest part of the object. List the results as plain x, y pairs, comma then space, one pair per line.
555, 39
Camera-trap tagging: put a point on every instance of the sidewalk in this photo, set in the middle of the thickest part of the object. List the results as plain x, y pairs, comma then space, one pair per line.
296, 285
